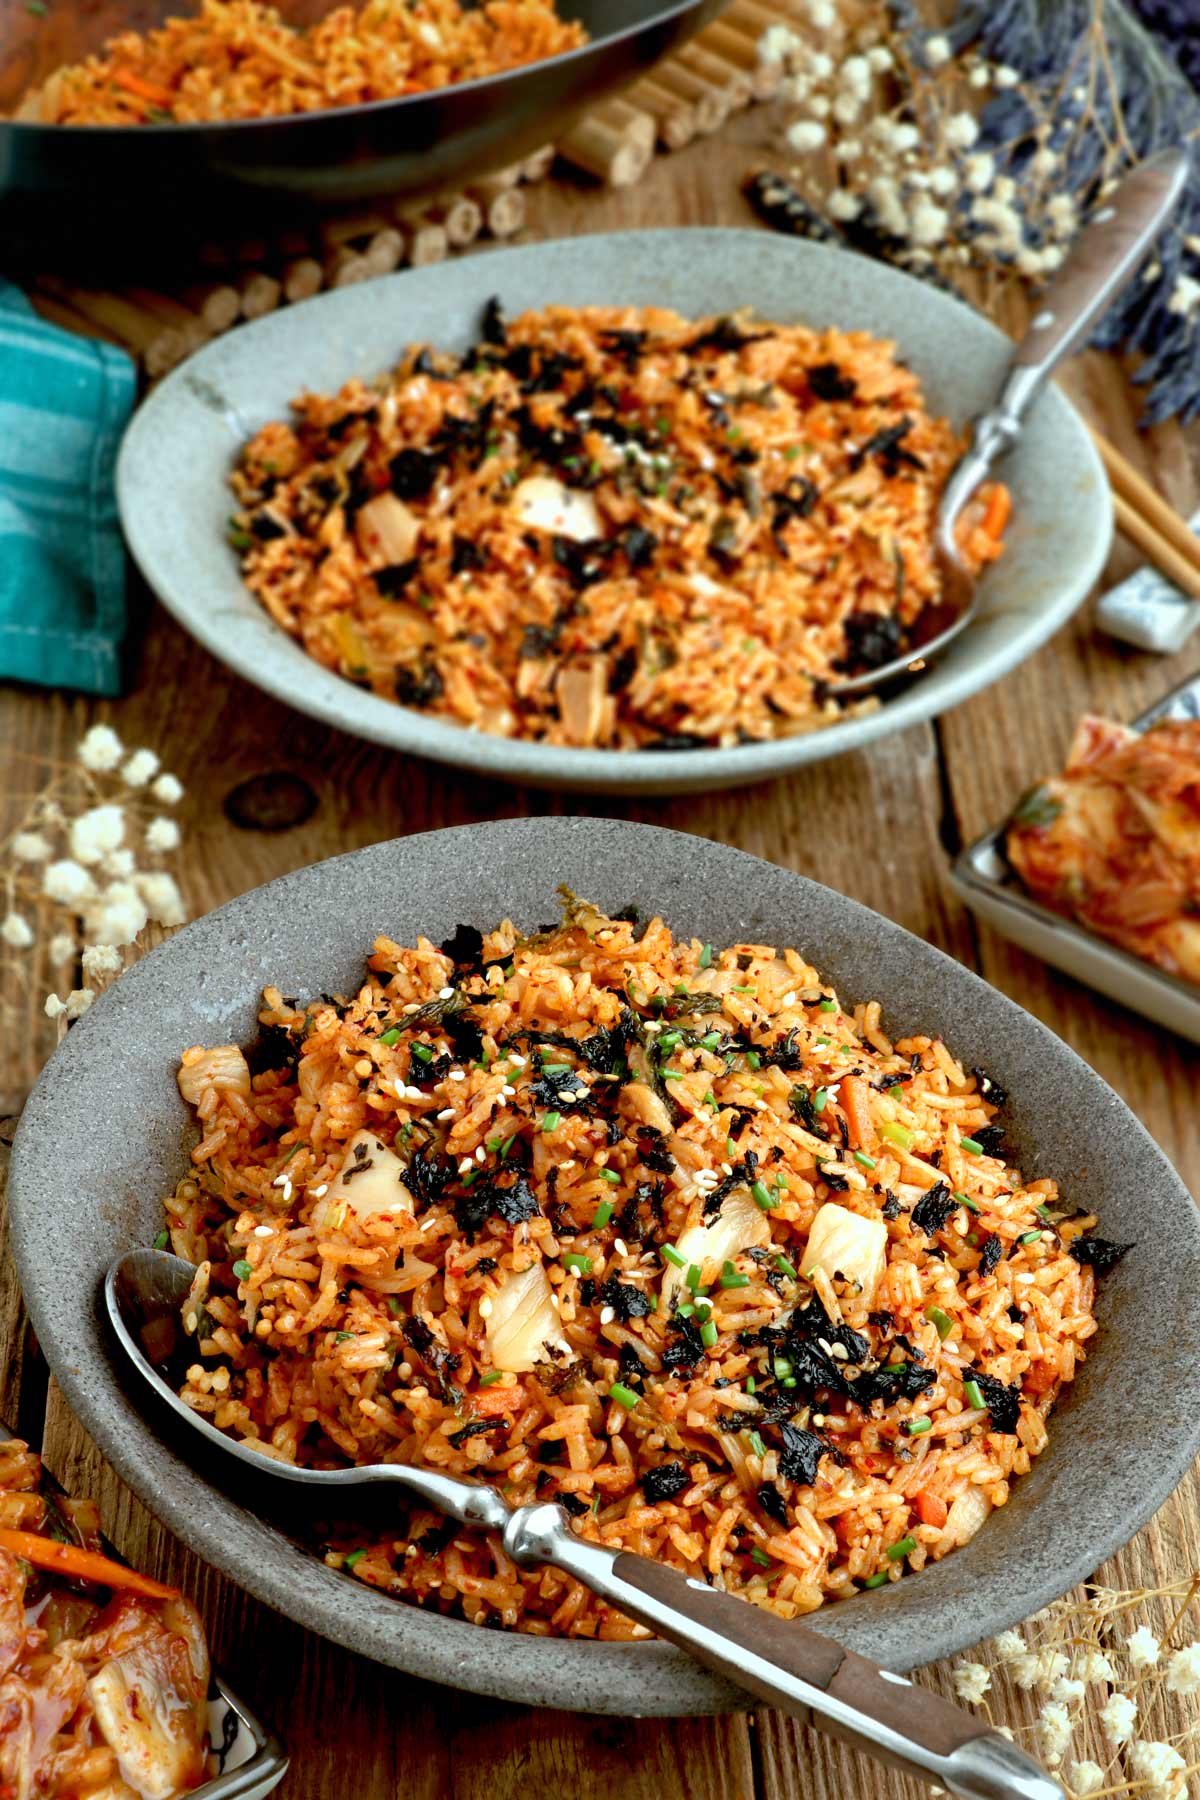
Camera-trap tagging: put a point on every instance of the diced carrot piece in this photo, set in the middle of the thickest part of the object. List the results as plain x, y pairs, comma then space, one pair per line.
931, 1510
856, 1106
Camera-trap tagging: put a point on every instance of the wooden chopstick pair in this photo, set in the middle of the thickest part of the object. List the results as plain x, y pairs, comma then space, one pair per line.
1147, 521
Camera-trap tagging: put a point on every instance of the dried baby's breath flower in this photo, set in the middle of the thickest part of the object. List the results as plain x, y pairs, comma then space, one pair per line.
95, 832
31, 847
1054, 1732
163, 898
61, 947
1159, 1766
78, 1001
100, 750
971, 1681
15, 931
162, 835
1093, 1665
100, 960
54, 1008
1118, 1716
119, 913
1085, 1778
1142, 1648
1183, 1671
68, 882
139, 768
167, 789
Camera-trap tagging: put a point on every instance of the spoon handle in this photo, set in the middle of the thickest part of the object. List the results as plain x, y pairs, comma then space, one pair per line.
784, 1663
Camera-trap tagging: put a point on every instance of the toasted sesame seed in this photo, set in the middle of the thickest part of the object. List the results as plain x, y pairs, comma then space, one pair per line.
485, 1307
323, 1189
263, 1231
412, 1007
446, 993
840, 1351
607, 1315
518, 1062
413, 1093
508, 1090
480, 1153
652, 1025
620, 1247
466, 1165
569, 1164
457, 1075
727, 1168
447, 1112
790, 998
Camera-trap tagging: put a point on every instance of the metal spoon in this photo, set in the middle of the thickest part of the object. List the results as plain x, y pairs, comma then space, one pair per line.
779, 1661
1105, 256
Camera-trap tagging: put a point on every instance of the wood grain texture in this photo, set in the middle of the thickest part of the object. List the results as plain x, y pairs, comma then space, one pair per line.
878, 825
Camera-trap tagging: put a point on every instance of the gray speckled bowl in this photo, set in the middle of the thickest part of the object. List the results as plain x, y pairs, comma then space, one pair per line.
177, 454
101, 1141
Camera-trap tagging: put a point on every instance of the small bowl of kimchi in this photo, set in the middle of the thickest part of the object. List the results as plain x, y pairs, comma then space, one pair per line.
1097, 870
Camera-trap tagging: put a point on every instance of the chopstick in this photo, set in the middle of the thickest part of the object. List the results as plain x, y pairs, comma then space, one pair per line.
1147, 521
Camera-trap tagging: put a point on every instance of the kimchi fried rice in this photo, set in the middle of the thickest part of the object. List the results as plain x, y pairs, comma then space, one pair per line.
237, 59
610, 526
660, 1230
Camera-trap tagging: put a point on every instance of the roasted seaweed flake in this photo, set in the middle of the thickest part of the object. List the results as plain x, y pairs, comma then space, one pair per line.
891, 1205
773, 1503
413, 473
627, 1301
465, 554
574, 1505
888, 446
419, 687
266, 526
890, 1383
989, 1256
686, 1347
990, 1089
627, 346
802, 1452
493, 327
829, 382
464, 947
933, 1209
392, 580
1097, 1253
475, 1428
639, 545
794, 500
872, 639
1003, 1403
725, 334
664, 1482
990, 1139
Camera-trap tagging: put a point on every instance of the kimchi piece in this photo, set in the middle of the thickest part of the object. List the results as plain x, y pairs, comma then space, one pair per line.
1114, 841
103, 1685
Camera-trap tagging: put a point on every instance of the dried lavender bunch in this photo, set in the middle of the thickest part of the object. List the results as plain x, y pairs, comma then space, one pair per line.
983, 147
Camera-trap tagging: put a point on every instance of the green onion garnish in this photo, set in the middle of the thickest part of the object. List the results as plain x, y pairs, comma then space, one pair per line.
943, 1322
827, 1005
686, 1310
602, 1215
706, 956
974, 1393
751, 1384
905, 1547
874, 1581
760, 1557
733, 1278
896, 1134
785, 1267
1029, 1237
782, 1368
710, 1040
572, 1259
973, 1145
820, 1096
692, 1277
422, 1052
549, 1068
1043, 1212
667, 1040
623, 1396
491, 1378
162, 1240
753, 1059
966, 1200
610, 1175
242, 1270
342, 1337
672, 1256
551, 1121
863, 1160
354, 1558
730, 1149
757, 1445
916, 1427
763, 1198
393, 1036
708, 1333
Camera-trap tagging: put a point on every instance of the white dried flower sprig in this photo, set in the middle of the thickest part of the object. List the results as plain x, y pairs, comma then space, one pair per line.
890, 136
1100, 1679
82, 874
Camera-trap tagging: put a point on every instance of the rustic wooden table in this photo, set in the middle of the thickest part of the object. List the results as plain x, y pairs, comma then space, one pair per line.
881, 825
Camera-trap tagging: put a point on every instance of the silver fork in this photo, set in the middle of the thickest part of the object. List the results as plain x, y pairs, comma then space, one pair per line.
779, 1661
1103, 259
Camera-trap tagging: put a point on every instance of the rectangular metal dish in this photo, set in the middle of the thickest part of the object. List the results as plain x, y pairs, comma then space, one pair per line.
983, 880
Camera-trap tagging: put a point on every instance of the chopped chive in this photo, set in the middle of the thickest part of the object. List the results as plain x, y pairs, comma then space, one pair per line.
710, 1099
572, 1259
785, 1267
782, 1368
874, 1581
916, 1427
491, 1378
342, 1337
710, 1040
905, 1547
966, 1200
422, 1052
602, 1215
395, 1306
822, 1043
974, 1393
672, 1074
733, 1278
686, 1310
760, 1557
827, 1005
551, 1121
692, 1277
730, 1149
745, 988
942, 1321
549, 1068
393, 1036
789, 1381
973, 1239
494, 1145
1029, 1237
354, 1558
668, 1039
973, 1145
672, 1256
623, 1396
863, 1160
757, 1445
706, 956
292, 1151
1043, 1212
753, 1059
470, 1176
242, 1270
820, 1096
708, 1333
763, 1198
751, 1384
896, 1134
162, 1240
612, 1175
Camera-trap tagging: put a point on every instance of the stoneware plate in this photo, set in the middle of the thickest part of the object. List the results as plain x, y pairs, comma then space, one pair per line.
175, 501
102, 1140
982, 877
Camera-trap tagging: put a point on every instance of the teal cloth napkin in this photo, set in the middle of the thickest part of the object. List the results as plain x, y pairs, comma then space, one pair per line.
64, 401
